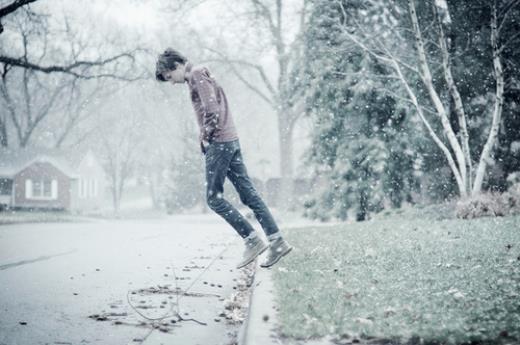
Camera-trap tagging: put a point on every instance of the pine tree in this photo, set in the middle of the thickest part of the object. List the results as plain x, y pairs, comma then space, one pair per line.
358, 143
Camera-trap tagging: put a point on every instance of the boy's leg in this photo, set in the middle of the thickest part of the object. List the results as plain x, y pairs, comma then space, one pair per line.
237, 174
218, 158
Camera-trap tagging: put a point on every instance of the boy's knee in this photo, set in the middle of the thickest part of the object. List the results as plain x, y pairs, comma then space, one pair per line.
214, 200
251, 198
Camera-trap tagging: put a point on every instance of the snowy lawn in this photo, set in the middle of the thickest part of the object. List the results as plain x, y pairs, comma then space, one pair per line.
399, 278
38, 216
17, 217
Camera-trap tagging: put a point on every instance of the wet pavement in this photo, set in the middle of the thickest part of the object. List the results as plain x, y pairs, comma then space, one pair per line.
169, 281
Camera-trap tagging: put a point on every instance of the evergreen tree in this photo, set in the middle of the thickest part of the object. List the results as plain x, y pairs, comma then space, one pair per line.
359, 143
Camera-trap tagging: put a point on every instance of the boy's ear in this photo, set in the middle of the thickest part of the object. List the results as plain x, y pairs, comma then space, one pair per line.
159, 76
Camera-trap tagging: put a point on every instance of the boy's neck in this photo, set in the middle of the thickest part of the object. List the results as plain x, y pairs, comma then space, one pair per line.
187, 71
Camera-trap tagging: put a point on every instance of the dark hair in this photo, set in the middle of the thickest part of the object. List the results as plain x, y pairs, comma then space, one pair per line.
168, 61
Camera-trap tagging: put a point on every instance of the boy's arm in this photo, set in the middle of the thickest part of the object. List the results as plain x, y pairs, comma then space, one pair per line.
210, 106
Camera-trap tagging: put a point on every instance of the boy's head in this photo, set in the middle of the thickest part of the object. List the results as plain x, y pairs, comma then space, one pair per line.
170, 66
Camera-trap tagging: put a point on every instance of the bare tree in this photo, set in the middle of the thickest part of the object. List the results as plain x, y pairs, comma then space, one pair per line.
81, 102
454, 147
120, 144
28, 116
284, 96
10, 8
77, 67
30, 91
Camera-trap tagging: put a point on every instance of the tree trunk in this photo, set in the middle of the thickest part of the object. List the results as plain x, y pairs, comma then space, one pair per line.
116, 197
456, 150
485, 157
4, 140
427, 80
285, 133
457, 99
153, 194
117, 203
362, 212
434, 136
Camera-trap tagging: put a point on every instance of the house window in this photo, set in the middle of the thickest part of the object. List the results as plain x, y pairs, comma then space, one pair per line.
41, 189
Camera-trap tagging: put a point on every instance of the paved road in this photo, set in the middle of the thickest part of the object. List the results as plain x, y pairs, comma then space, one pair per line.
54, 276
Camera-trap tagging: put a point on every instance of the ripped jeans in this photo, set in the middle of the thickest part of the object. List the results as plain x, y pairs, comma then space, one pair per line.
225, 159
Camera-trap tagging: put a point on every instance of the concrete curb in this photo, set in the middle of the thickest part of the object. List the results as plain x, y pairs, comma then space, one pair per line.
259, 327
242, 332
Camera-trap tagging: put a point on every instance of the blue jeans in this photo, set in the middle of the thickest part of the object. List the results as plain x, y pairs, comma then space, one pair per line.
225, 159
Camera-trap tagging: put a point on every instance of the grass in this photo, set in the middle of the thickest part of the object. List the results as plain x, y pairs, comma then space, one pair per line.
405, 279
434, 212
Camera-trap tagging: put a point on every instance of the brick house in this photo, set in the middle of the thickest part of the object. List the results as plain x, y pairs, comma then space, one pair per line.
50, 179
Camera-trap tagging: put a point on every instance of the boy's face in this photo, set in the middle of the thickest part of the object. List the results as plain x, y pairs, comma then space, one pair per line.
175, 76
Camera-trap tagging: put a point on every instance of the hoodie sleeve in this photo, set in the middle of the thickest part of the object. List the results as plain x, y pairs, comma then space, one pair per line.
208, 98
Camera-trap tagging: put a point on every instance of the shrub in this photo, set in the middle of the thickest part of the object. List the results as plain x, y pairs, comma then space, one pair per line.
490, 204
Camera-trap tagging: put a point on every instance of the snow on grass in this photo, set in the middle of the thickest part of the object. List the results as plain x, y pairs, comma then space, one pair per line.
448, 281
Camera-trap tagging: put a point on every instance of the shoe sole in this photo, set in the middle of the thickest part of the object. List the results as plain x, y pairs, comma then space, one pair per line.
254, 257
278, 259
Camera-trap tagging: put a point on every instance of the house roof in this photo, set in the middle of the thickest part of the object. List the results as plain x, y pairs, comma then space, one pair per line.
13, 161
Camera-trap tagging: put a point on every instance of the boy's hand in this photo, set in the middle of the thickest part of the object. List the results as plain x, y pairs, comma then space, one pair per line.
204, 146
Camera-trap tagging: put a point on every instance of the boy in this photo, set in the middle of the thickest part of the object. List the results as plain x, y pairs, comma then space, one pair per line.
220, 145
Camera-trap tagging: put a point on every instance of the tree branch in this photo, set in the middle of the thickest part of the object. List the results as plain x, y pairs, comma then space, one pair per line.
434, 96
252, 87
506, 11
432, 133
256, 67
266, 13
71, 68
4, 11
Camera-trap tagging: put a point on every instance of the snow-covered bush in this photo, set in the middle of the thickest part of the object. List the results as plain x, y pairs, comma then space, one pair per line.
512, 197
490, 204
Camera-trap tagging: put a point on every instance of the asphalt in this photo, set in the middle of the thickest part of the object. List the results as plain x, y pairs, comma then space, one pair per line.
112, 282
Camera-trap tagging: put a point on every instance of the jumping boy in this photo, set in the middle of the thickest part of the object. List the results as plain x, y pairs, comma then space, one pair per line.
220, 145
